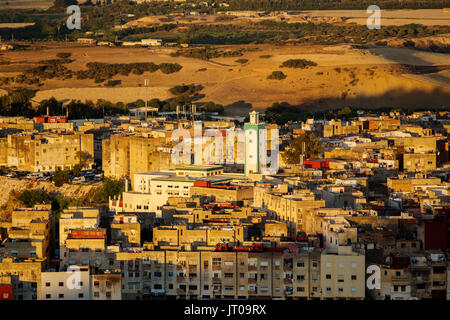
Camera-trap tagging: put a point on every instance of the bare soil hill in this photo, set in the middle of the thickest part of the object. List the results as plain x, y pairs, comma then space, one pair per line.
344, 75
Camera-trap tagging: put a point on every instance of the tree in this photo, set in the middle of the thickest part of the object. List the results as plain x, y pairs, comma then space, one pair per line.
61, 177
64, 3
32, 197
110, 188
306, 144
277, 75
346, 113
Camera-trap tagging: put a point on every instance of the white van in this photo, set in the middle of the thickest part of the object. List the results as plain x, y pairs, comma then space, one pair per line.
35, 175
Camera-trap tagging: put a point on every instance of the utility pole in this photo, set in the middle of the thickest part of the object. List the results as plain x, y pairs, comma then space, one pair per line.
146, 91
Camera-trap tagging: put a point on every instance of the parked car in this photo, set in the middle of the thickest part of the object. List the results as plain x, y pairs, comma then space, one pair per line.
35, 175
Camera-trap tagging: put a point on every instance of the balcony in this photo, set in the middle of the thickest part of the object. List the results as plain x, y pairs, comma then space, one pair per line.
252, 268
251, 280
288, 281
216, 280
181, 279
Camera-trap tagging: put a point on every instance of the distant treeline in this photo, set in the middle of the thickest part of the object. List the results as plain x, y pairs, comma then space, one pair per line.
271, 5
99, 71
323, 33
19, 103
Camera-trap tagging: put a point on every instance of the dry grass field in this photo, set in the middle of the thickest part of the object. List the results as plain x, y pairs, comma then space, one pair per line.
427, 17
344, 75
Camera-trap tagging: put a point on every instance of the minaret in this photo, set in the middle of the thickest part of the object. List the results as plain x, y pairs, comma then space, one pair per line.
252, 137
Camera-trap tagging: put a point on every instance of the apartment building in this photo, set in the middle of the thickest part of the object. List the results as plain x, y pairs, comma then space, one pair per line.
49, 152
295, 274
126, 230
84, 247
183, 235
30, 234
342, 274
106, 286
125, 156
25, 277
222, 193
337, 128
288, 208
153, 189
71, 284
77, 218
419, 162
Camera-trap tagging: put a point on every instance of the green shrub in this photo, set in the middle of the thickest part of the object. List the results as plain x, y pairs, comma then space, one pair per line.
278, 75
298, 63
110, 188
32, 197
170, 67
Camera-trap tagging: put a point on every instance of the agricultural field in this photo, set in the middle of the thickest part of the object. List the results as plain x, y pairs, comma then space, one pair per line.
341, 75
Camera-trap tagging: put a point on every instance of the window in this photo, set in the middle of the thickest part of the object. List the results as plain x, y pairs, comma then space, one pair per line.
96, 294
80, 295
328, 289
353, 265
328, 264
300, 264
108, 294
48, 296
300, 277
340, 289
328, 276
61, 284
353, 277
47, 284
96, 283
61, 296
300, 289
217, 261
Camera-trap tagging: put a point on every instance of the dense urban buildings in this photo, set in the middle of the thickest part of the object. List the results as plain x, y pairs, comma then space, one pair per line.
374, 196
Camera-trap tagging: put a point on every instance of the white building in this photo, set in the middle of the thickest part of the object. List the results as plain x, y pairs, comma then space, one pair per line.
153, 189
151, 42
73, 284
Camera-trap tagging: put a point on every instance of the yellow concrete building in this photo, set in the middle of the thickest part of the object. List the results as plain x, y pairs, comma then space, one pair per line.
25, 277
49, 152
